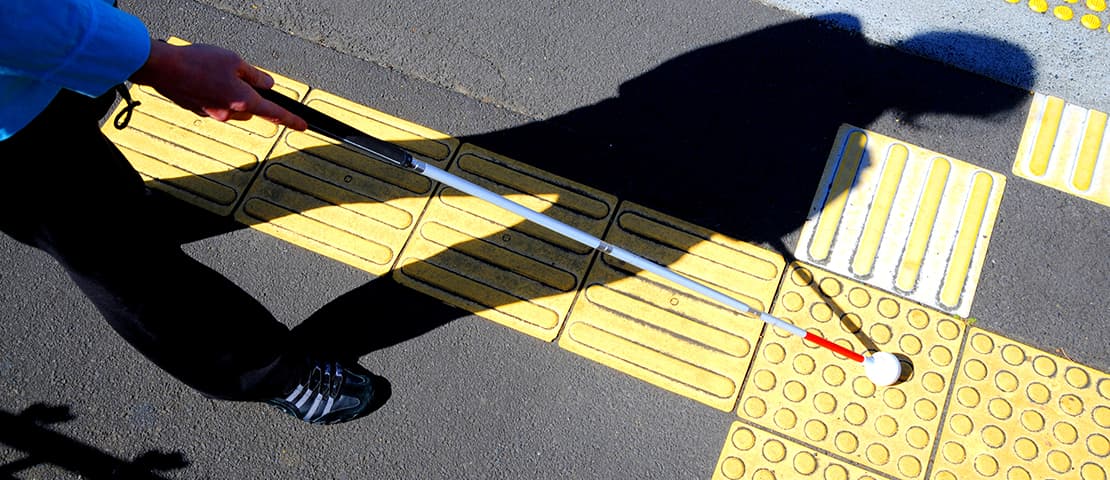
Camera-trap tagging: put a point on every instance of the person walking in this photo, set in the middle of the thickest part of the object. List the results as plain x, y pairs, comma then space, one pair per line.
67, 190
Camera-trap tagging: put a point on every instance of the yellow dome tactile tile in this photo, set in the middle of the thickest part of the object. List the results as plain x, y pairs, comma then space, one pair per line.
1066, 147
903, 219
752, 454
199, 160
327, 198
474, 255
1021, 413
1068, 12
817, 398
658, 332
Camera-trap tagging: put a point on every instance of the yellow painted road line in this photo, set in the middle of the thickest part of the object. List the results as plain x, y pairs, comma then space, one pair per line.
474, 255
199, 160
1066, 147
327, 198
660, 333
1019, 412
815, 398
750, 453
903, 219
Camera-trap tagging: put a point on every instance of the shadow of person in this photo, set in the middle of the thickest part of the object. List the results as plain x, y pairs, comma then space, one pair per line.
373, 316
735, 136
732, 137
28, 432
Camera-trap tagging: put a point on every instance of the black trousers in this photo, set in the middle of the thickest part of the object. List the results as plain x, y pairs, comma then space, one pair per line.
67, 190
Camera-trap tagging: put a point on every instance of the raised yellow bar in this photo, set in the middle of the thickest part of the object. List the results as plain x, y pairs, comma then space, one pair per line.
212, 192
966, 239
636, 345
827, 223
1078, 154
503, 306
479, 257
898, 228
864, 258
340, 203
1089, 150
296, 227
661, 333
1046, 138
923, 224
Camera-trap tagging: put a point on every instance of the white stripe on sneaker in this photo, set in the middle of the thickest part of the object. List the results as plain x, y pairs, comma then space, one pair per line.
304, 398
295, 393
315, 405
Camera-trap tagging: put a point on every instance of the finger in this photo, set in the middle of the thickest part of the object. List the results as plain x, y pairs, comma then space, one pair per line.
255, 77
233, 115
268, 109
218, 114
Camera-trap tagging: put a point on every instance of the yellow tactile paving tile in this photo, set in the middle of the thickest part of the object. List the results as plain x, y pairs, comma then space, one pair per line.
474, 255
1088, 13
661, 333
327, 198
817, 398
1066, 147
903, 219
199, 160
752, 454
1020, 413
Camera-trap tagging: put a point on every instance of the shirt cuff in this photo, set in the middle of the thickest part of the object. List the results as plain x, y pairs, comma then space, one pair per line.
117, 45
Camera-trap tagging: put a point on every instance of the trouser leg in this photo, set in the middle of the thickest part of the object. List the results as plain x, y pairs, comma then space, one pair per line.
67, 190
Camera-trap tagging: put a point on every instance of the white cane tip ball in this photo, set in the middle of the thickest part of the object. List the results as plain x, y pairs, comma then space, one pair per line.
882, 368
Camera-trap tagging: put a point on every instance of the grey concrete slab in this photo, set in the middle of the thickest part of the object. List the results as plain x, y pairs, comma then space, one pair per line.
536, 58
1070, 59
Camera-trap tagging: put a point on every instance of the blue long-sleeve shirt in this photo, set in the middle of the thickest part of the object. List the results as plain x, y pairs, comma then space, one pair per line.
87, 46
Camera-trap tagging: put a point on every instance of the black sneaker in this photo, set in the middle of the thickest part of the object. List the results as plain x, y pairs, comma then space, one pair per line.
332, 394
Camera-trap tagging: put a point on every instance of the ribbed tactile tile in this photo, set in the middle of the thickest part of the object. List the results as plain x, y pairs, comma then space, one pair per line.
903, 219
820, 399
1066, 147
477, 256
199, 160
1021, 413
327, 198
752, 454
646, 327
